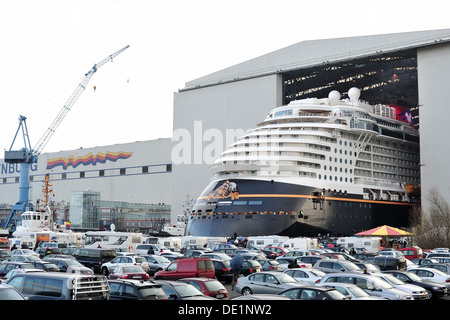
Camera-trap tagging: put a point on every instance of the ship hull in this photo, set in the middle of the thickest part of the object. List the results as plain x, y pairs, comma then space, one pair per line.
247, 207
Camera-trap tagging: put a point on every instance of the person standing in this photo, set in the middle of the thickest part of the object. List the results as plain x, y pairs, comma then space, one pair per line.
236, 264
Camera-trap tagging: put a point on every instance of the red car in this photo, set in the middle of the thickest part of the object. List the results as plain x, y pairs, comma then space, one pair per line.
209, 287
280, 250
129, 272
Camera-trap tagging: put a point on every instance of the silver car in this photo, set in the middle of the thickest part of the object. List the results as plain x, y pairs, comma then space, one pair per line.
156, 262
351, 291
266, 282
371, 284
417, 292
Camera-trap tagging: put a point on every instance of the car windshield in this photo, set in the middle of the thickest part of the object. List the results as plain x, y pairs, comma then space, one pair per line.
317, 273
358, 292
161, 259
73, 263
10, 294
151, 291
131, 269
393, 279
214, 285
413, 276
285, 278
187, 291
383, 284
140, 259
350, 266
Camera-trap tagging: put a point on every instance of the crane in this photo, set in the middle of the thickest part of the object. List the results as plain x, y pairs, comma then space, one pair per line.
27, 155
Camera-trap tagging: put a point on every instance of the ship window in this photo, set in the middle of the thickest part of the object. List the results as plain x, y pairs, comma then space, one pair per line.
320, 176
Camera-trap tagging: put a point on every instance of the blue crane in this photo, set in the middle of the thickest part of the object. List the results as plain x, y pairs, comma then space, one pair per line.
27, 155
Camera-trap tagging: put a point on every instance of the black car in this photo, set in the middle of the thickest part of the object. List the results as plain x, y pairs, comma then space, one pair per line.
135, 290
94, 258
311, 259
223, 270
5, 267
43, 251
434, 289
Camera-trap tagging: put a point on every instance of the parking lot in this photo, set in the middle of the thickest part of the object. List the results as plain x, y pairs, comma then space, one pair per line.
334, 273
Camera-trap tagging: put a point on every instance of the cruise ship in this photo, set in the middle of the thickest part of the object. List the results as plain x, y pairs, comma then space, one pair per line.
317, 166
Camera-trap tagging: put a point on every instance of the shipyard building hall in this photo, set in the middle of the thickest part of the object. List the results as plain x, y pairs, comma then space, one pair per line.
406, 71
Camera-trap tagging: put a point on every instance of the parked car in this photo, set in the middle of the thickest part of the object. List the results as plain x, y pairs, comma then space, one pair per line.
297, 253
94, 258
24, 258
194, 247
311, 259
46, 266
43, 251
341, 256
193, 253
129, 272
269, 253
209, 287
120, 261
438, 254
332, 265
13, 272
307, 276
135, 290
156, 262
286, 262
371, 284
418, 293
70, 266
7, 266
370, 268
216, 255
8, 292
351, 291
364, 255
222, 270
387, 263
145, 249
60, 286
249, 267
272, 282
186, 268
313, 293
219, 246
423, 261
412, 252
261, 297
270, 265
27, 252
280, 250
432, 275
435, 290
176, 290
444, 267
5, 254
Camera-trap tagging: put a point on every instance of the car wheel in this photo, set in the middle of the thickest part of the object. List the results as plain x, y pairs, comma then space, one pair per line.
105, 271
246, 291
430, 295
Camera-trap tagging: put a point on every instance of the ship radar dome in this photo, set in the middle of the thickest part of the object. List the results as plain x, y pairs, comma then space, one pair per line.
354, 93
334, 95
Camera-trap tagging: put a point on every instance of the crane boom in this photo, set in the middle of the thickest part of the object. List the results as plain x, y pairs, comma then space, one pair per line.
72, 99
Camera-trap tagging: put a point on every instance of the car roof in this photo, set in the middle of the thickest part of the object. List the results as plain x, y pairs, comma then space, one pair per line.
199, 279
140, 283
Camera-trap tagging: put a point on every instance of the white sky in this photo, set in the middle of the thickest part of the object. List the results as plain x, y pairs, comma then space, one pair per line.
48, 45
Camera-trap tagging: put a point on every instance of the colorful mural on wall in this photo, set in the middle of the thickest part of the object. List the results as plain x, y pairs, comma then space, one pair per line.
86, 160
